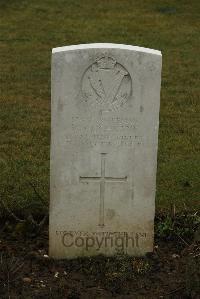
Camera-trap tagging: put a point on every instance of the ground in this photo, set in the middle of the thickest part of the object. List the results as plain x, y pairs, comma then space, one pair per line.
27, 272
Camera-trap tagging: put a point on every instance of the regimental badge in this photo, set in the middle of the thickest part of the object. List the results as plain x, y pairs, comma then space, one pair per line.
106, 84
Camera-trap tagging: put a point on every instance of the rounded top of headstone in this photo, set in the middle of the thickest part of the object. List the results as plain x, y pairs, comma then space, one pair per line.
106, 46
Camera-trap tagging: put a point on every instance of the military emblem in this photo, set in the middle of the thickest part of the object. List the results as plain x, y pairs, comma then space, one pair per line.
106, 84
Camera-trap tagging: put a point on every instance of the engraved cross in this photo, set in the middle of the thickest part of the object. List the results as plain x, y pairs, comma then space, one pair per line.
103, 179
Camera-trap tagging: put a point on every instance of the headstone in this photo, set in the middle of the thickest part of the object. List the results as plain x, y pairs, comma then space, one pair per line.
105, 118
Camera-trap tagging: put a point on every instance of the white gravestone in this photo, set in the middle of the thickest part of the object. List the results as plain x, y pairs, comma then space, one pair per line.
105, 118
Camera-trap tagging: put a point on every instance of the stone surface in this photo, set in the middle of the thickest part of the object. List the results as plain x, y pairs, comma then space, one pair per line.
105, 118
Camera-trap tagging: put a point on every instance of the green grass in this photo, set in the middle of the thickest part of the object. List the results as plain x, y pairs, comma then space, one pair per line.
28, 31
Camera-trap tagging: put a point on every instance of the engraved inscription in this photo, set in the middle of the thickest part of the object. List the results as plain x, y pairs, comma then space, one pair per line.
106, 84
102, 180
108, 131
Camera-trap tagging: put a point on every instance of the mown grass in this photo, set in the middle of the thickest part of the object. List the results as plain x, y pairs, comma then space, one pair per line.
28, 31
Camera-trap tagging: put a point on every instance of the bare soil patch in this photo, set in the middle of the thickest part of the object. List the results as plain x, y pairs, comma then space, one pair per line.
26, 271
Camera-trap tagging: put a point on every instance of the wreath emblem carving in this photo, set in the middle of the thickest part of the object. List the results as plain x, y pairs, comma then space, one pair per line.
106, 84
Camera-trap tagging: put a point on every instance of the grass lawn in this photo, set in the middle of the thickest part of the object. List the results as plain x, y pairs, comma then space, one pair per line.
28, 32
